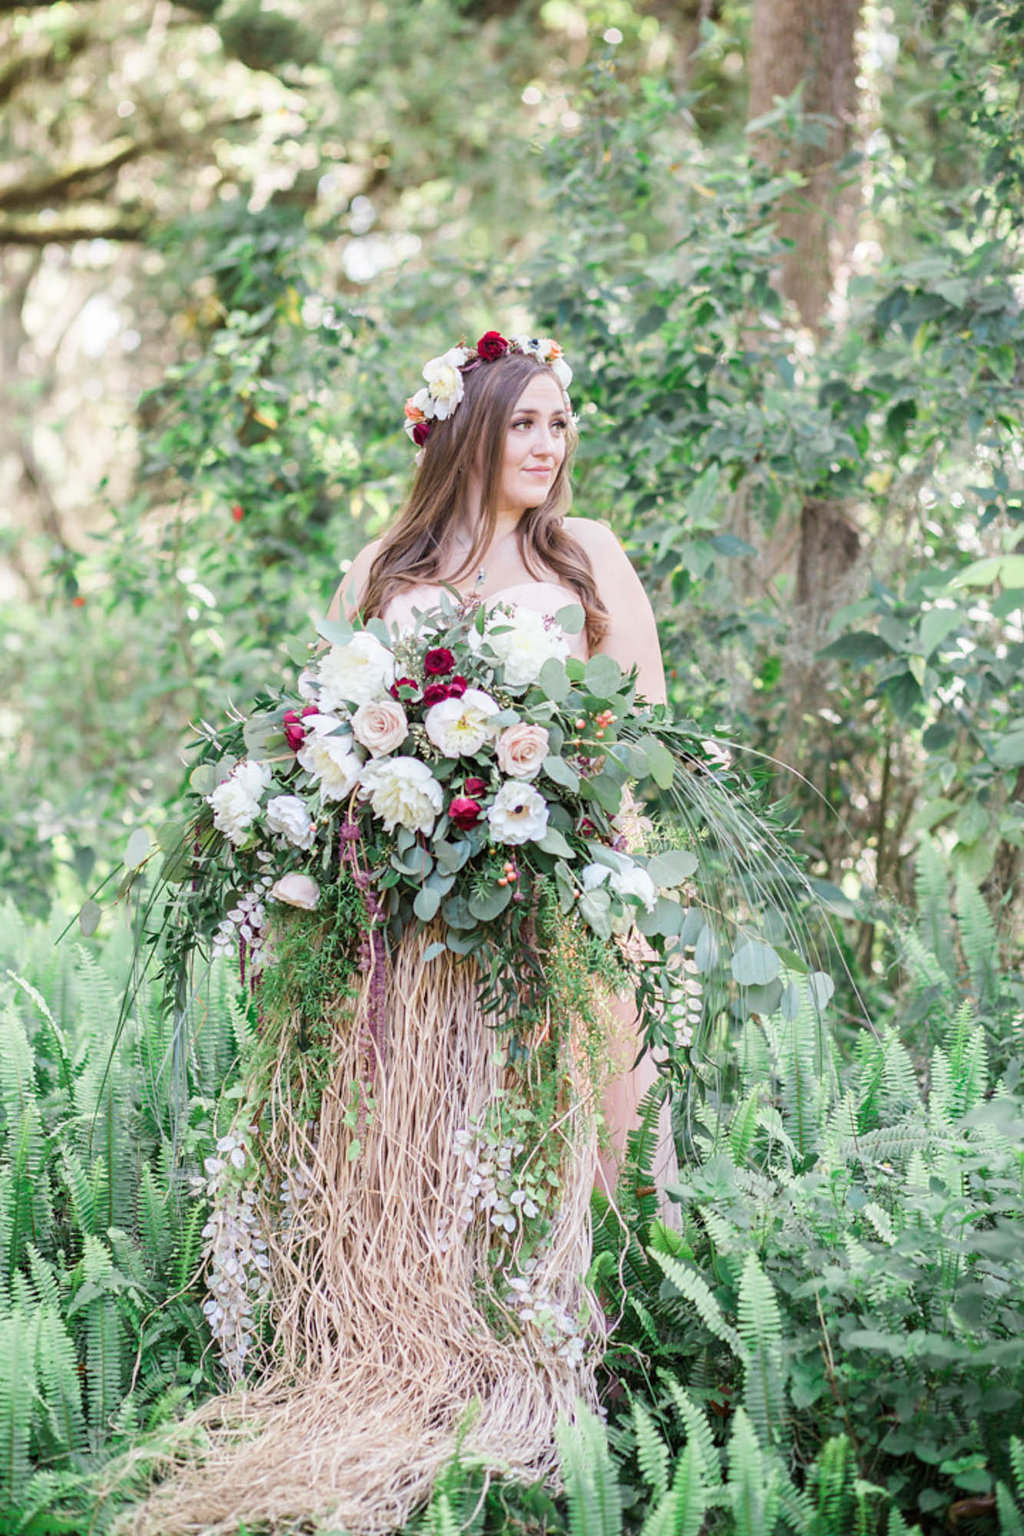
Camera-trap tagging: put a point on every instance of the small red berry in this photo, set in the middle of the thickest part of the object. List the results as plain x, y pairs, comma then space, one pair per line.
237, 512
78, 601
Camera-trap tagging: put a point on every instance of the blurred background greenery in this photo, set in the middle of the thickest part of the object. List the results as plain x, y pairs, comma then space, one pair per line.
781, 244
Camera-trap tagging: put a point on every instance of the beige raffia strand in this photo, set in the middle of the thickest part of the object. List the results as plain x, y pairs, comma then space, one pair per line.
382, 1342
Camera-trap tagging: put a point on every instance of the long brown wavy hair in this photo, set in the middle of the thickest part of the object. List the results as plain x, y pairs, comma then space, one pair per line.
468, 444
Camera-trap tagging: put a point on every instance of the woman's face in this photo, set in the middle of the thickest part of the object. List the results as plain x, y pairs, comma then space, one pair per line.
534, 444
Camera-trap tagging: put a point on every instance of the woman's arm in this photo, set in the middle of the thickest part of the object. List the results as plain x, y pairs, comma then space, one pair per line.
350, 589
632, 635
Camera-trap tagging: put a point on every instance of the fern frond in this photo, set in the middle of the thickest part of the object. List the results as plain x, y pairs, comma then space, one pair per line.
753, 1483
696, 1291
17, 1400
698, 1431
760, 1328
934, 919
651, 1451
979, 941
57, 1373
681, 1511
591, 1483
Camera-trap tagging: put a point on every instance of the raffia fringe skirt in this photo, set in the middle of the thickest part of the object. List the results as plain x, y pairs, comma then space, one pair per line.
390, 1332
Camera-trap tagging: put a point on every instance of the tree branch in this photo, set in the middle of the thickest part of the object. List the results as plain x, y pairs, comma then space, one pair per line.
86, 222
42, 63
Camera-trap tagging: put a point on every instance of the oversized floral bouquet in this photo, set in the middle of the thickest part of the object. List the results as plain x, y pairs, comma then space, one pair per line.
454, 768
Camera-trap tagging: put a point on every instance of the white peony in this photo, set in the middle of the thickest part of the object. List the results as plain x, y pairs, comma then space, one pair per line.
355, 673
297, 890
380, 726
518, 814
634, 881
459, 727
444, 381
288, 816
523, 642
236, 801
331, 763
402, 792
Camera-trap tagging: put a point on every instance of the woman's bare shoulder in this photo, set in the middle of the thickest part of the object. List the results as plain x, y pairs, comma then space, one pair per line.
597, 538
350, 589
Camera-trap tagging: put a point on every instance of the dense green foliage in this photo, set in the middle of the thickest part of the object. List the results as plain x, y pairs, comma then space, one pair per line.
832, 1345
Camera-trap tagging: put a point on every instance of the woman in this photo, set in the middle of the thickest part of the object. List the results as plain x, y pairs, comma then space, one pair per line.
405, 1314
487, 517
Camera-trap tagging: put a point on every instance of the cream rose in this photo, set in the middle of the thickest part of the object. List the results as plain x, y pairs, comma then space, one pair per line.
236, 801
518, 814
355, 673
459, 727
444, 381
297, 891
380, 726
403, 792
521, 750
288, 817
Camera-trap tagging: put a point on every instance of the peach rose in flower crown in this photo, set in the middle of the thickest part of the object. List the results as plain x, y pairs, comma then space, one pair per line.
380, 726
521, 750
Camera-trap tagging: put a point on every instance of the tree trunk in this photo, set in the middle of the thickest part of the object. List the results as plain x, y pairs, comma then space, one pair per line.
809, 43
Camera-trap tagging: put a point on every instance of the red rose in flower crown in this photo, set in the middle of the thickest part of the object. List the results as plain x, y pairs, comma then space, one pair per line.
420, 432
475, 787
294, 730
457, 686
464, 812
491, 346
439, 662
435, 693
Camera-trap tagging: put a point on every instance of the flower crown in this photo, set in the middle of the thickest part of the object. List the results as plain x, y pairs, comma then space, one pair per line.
444, 389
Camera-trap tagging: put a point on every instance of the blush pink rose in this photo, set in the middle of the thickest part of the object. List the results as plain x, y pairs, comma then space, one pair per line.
521, 750
380, 727
297, 891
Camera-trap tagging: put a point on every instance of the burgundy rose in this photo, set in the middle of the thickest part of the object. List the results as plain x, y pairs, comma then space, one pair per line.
475, 787
464, 811
439, 662
420, 432
435, 693
457, 686
491, 346
403, 682
294, 730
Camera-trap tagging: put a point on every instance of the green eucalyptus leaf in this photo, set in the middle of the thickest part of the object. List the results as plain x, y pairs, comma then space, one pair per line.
138, 849
672, 867
486, 905
426, 904
561, 772
595, 909
89, 916
572, 618
554, 842
335, 631
603, 675
754, 964
205, 777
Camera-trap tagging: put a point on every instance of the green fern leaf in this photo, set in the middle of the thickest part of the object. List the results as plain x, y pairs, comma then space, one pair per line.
681, 1510
18, 1350
760, 1328
651, 1451
591, 1484
696, 1290
698, 1432
978, 938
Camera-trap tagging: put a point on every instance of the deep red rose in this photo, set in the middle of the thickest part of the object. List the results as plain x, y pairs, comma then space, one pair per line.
464, 811
475, 787
435, 693
420, 432
309, 709
491, 346
294, 730
402, 682
457, 686
439, 662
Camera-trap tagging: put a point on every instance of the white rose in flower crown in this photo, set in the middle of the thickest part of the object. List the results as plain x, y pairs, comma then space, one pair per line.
403, 792
444, 381
297, 890
518, 814
521, 749
593, 875
288, 816
459, 727
330, 761
236, 801
380, 726
524, 642
356, 672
